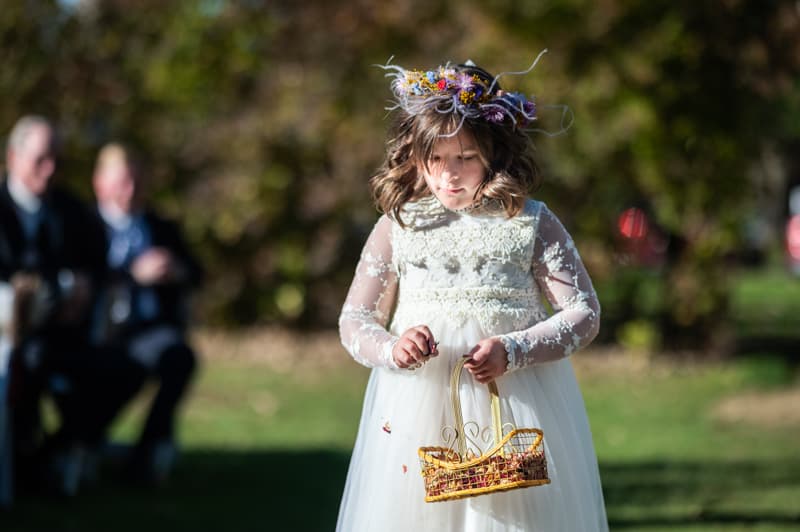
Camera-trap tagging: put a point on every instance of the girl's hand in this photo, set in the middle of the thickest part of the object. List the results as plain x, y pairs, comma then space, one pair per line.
415, 347
487, 360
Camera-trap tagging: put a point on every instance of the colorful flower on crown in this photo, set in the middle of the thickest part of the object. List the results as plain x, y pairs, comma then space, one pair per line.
529, 109
446, 90
493, 114
465, 82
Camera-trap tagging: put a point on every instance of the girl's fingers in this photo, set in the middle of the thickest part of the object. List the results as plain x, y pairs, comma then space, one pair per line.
422, 342
477, 359
415, 347
472, 365
485, 362
406, 358
433, 347
479, 354
411, 352
430, 347
486, 376
402, 360
426, 332
482, 372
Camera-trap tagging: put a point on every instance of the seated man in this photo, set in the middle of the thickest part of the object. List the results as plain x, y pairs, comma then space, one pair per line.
51, 258
143, 304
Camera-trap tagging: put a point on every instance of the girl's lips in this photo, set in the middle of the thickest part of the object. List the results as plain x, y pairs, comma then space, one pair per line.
451, 190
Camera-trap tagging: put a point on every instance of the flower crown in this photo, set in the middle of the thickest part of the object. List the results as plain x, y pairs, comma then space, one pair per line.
462, 90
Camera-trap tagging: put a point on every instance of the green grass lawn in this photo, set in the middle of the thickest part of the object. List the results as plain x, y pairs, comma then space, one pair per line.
669, 463
266, 447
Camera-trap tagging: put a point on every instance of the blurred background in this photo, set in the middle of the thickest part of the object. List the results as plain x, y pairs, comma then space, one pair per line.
262, 121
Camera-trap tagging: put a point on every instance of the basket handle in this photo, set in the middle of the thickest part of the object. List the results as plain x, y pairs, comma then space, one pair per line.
494, 400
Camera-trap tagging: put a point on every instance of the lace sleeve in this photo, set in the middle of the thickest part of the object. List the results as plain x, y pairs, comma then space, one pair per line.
369, 303
560, 273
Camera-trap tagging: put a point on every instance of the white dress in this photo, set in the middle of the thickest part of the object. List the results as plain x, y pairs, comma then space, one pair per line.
469, 276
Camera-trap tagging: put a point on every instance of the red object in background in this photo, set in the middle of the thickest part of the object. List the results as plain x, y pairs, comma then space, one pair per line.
793, 237
632, 224
641, 242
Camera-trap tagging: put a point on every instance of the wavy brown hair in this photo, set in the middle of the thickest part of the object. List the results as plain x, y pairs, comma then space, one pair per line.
505, 151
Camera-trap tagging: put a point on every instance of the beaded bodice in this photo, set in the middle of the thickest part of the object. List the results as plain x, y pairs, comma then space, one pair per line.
474, 265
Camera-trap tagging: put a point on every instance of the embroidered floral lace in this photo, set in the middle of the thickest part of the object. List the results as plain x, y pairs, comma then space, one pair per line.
475, 265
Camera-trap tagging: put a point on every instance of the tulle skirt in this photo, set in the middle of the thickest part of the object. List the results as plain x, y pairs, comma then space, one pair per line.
404, 410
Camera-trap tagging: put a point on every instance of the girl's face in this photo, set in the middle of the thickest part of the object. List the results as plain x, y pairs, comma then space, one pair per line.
455, 170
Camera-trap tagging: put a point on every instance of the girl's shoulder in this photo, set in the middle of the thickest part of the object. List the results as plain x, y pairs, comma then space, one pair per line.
531, 211
532, 207
536, 215
538, 209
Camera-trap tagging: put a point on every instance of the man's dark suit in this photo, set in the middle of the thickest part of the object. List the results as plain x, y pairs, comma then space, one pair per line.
156, 343
54, 355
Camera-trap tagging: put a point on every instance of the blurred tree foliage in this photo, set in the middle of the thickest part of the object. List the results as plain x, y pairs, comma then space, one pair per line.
263, 120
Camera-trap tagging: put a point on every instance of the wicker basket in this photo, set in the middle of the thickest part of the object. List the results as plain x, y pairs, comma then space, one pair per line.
516, 460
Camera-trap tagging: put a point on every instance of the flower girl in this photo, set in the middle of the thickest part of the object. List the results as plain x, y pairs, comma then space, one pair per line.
458, 267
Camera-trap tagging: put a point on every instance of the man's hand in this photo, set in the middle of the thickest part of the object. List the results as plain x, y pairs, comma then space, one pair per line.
156, 266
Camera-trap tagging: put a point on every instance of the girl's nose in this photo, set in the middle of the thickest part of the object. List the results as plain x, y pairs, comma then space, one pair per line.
450, 171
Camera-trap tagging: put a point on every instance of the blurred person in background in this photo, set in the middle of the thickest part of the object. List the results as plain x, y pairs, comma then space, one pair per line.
142, 310
51, 259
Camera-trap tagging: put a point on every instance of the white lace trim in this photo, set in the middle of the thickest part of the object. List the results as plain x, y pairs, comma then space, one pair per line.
495, 308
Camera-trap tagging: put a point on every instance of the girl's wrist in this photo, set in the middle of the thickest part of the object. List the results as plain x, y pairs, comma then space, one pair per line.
388, 353
509, 346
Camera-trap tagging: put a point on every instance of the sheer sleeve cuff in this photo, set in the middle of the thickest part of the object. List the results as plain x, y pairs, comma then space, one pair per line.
386, 354
514, 352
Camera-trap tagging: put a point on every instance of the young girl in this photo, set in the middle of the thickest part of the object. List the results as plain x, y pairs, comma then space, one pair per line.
457, 267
